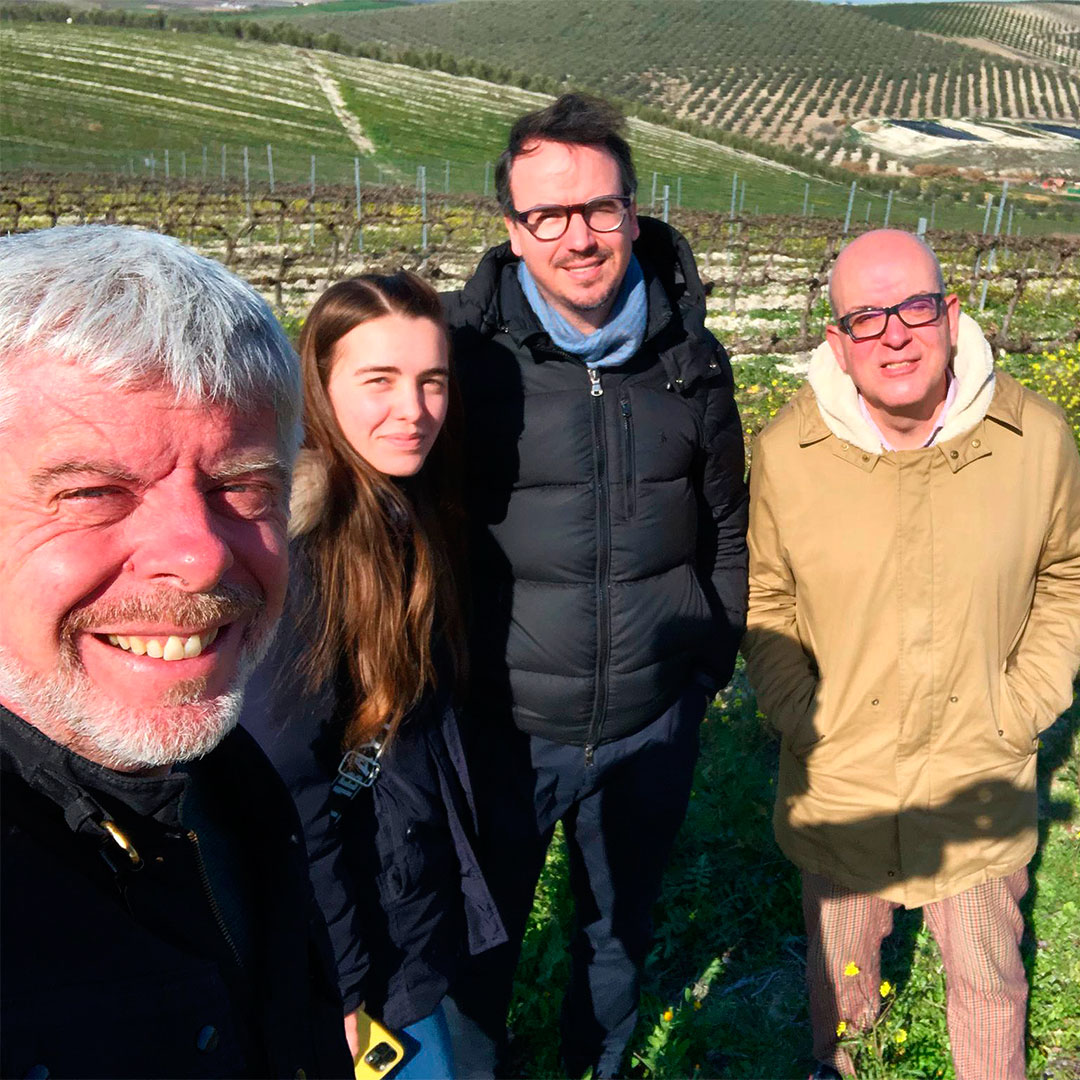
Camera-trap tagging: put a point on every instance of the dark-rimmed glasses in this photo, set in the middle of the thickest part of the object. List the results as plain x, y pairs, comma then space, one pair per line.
603, 214
919, 310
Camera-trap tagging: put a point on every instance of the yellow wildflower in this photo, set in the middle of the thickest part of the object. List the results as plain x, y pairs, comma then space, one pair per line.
886, 988
697, 1004
667, 1016
841, 1028
900, 1036
851, 969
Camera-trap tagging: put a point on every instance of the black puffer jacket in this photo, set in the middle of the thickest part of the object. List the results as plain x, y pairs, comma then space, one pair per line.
207, 959
609, 530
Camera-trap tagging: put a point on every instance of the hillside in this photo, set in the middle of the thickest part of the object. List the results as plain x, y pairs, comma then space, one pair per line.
1043, 32
787, 71
120, 100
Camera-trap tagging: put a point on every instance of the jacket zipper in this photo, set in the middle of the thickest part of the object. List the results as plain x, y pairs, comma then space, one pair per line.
204, 877
603, 608
628, 455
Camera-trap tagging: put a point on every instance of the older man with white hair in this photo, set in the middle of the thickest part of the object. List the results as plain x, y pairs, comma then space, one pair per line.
157, 918
914, 625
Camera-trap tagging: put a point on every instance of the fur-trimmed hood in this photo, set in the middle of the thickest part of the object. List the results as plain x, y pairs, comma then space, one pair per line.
307, 501
838, 400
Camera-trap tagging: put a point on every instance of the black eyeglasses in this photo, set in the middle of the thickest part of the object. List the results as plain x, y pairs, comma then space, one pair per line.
603, 214
919, 310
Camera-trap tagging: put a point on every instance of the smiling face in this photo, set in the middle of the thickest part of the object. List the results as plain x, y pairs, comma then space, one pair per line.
143, 563
580, 273
901, 374
389, 389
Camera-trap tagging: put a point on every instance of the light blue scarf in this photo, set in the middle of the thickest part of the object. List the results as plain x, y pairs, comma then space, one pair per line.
616, 341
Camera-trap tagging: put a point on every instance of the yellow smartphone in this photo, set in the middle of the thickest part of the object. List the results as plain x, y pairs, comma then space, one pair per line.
380, 1049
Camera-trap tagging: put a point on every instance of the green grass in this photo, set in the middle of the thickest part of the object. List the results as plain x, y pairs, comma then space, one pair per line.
723, 992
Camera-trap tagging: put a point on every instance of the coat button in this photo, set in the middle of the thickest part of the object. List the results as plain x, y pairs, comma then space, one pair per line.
976, 443
843, 446
876, 701
410, 832
1000, 732
207, 1040
954, 699
866, 457
954, 453
892, 873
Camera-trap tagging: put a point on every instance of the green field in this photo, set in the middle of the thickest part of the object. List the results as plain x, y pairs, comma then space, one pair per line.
787, 71
149, 103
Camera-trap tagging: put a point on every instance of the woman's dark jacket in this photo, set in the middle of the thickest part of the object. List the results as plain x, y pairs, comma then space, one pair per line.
210, 959
396, 875
609, 541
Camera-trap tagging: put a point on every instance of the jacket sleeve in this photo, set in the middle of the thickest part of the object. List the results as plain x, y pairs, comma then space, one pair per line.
722, 548
1041, 669
289, 725
782, 673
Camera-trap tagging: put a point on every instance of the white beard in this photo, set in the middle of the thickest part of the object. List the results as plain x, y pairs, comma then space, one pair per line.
67, 707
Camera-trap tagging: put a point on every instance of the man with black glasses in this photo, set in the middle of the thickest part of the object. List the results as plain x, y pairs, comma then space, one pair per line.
608, 512
914, 625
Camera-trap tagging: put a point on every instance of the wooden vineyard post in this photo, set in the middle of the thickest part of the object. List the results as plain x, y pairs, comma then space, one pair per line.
311, 233
667, 202
270, 165
850, 204
421, 184
359, 207
247, 183
888, 211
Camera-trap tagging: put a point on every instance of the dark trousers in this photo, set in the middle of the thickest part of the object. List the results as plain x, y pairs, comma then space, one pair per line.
620, 815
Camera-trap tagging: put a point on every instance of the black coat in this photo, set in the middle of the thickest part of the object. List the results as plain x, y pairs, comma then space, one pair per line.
609, 542
396, 876
208, 960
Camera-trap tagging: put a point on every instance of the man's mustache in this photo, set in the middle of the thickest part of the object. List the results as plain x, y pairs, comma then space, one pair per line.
171, 607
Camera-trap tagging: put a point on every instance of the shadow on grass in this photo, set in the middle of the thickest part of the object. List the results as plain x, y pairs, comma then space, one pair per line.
723, 990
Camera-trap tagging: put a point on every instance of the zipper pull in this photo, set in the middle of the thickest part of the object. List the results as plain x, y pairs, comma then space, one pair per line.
626, 411
595, 389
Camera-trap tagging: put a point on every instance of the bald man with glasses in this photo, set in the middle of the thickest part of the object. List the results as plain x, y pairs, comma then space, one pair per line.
914, 626
608, 513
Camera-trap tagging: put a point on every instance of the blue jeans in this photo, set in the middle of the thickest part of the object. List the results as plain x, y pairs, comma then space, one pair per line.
432, 1057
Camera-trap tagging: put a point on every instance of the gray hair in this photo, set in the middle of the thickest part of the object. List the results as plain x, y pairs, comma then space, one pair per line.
140, 309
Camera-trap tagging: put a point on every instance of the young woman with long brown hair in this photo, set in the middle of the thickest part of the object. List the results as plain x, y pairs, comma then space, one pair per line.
354, 703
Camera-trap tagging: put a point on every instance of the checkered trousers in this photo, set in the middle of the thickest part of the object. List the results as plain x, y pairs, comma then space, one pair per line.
978, 932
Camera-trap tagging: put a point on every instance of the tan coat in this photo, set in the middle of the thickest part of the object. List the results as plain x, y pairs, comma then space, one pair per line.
914, 624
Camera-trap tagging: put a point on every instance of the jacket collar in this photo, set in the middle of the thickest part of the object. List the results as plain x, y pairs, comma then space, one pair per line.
75, 784
831, 404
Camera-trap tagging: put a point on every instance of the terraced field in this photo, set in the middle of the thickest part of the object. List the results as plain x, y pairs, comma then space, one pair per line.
786, 71
1034, 31
116, 96
117, 100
